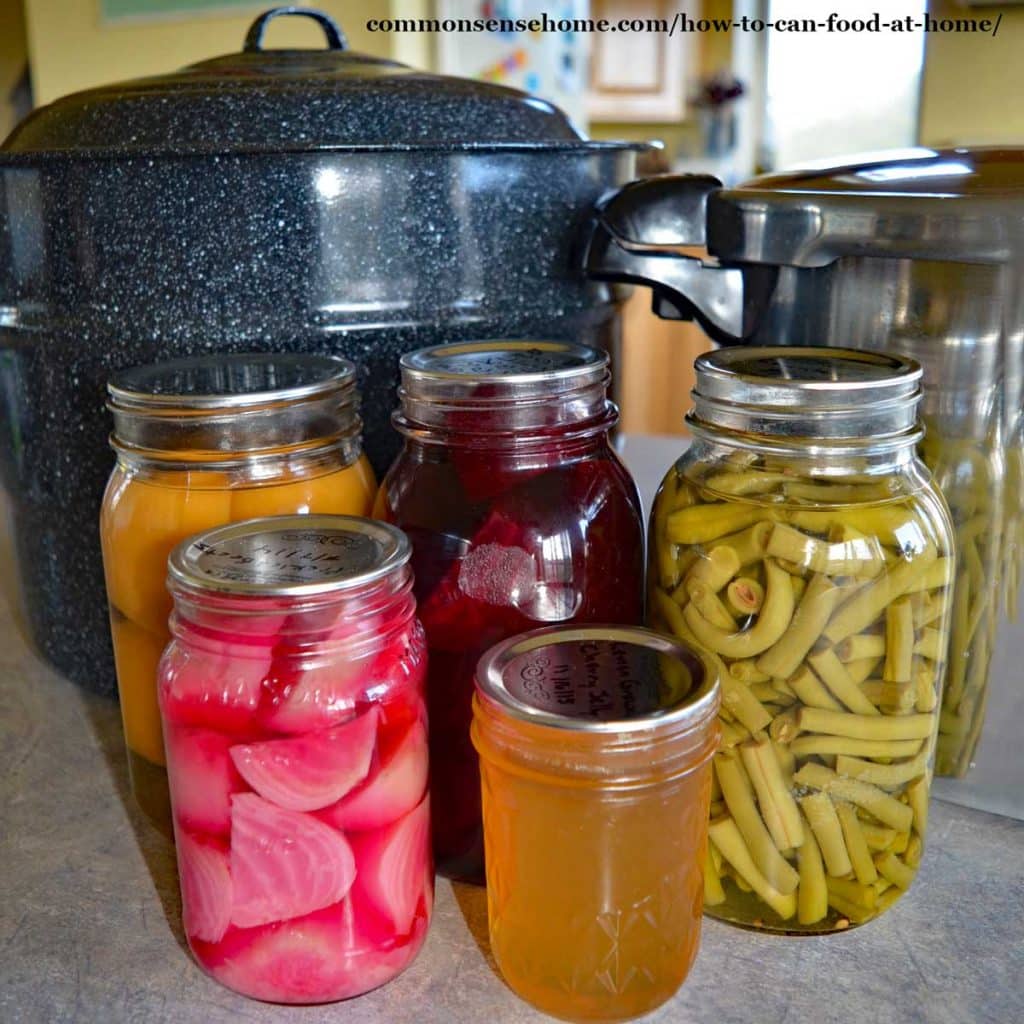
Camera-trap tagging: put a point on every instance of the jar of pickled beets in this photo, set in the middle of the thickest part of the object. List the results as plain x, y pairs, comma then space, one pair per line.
201, 442
595, 749
801, 539
294, 719
520, 515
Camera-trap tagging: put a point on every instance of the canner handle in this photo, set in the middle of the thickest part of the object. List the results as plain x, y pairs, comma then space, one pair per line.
336, 39
634, 235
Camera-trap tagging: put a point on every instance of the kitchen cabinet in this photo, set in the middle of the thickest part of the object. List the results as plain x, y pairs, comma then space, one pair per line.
656, 368
639, 76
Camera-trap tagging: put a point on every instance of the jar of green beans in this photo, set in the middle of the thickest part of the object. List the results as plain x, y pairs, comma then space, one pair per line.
801, 539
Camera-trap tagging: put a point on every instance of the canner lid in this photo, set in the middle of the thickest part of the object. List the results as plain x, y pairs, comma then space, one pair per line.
267, 101
954, 204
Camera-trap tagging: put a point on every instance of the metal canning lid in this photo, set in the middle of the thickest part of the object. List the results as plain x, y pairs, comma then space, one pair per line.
234, 403
289, 556
530, 385
599, 679
506, 369
832, 393
253, 380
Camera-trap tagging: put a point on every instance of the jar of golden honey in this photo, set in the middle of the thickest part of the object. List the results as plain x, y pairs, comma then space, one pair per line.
802, 540
595, 747
203, 442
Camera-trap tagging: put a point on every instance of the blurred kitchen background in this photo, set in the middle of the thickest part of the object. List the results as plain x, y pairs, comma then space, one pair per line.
730, 104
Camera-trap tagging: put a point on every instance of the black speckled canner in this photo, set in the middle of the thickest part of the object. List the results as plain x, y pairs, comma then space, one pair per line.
295, 200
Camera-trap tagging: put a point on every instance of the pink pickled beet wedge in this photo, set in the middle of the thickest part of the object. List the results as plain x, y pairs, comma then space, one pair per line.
395, 786
308, 772
284, 863
205, 887
201, 778
392, 863
318, 958
214, 687
306, 696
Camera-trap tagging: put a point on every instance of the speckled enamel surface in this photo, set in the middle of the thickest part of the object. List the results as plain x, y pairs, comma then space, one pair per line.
114, 261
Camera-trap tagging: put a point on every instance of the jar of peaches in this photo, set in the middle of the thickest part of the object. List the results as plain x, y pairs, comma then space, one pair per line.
801, 539
199, 443
520, 515
296, 737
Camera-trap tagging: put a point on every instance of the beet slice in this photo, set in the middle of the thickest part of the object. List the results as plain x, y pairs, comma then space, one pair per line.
216, 685
201, 778
312, 771
395, 785
320, 957
391, 864
306, 693
283, 863
206, 893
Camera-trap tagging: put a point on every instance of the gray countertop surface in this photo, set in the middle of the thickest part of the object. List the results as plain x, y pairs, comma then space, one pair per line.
90, 925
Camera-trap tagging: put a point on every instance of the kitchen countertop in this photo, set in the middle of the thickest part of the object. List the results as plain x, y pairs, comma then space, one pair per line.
90, 925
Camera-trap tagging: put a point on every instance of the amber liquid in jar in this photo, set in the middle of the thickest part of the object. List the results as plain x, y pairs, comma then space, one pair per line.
183, 466
595, 838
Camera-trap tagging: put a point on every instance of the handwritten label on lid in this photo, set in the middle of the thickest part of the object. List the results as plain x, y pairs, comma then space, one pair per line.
601, 680
287, 557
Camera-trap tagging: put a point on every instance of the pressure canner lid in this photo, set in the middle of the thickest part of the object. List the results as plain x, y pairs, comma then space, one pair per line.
955, 204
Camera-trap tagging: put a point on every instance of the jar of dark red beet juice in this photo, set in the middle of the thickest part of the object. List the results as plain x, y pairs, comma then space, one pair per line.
520, 515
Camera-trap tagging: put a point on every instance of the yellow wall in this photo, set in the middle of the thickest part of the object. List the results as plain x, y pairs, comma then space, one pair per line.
13, 54
973, 85
72, 49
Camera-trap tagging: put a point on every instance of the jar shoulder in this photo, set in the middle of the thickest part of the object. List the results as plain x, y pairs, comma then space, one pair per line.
455, 492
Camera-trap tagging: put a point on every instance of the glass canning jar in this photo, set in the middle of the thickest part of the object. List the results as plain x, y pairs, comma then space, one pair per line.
595, 751
520, 515
201, 442
975, 477
802, 540
295, 727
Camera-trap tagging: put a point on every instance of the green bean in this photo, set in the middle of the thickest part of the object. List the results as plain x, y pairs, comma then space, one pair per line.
844, 558
716, 568
726, 837
700, 524
867, 604
739, 798
899, 641
744, 596
771, 623
865, 727
748, 672
894, 870
784, 657
856, 845
812, 896
811, 745
831, 671
749, 544
747, 482
808, 608
778, 808
887, 809
810, 691
709, 605
887, 776
863, 645
821, 816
